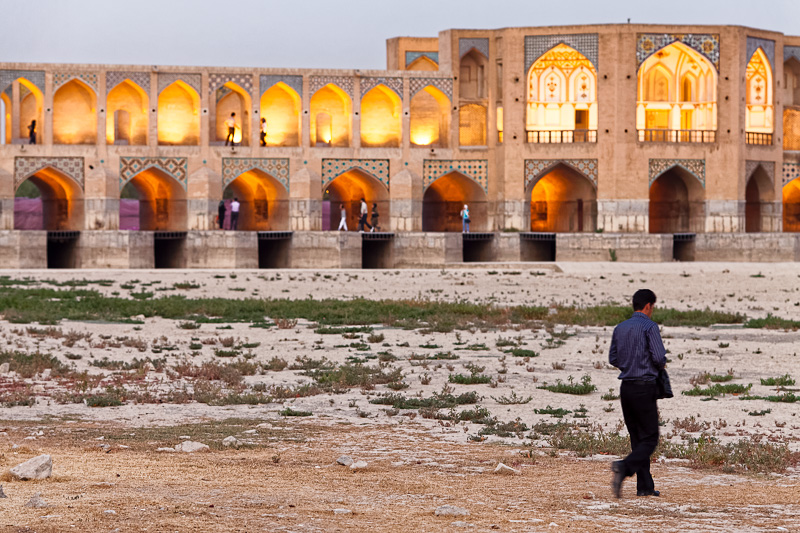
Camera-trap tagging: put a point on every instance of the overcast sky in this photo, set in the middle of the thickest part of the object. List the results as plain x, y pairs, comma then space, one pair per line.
315, 33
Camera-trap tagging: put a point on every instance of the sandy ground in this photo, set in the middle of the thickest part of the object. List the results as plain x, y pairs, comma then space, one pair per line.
415, 464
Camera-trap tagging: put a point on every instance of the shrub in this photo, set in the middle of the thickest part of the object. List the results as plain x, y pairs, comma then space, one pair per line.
718, 390
781, 381
472, 379
584, 387
291, 412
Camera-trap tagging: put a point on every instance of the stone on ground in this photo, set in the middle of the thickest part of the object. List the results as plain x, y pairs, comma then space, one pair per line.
231, 442
451, 510
4, 368
507, 470
345, 460
342, 511
459, 523
40, 467
191, 447
36, 502
358, 465
2, 494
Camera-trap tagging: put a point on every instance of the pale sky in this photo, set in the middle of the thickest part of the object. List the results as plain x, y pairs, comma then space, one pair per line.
315, 33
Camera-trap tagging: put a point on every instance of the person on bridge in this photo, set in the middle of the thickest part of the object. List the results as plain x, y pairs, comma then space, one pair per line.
32, 132
465, 219
221, 214
263, 131
343, 220
231, 123
234, 214
362, 219
374, 218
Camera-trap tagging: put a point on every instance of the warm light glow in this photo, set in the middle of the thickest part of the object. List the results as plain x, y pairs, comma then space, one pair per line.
62, 200
280, 105
563, 200
422, 138
791, 206
264, 201
162, 201
74, 119
430, 117
179, 115
380, 117
332, 102
126, 114
759, 115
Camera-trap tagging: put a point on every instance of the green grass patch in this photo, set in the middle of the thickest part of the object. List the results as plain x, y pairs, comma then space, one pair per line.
439, 401
471, 379
292, 412
718, 390
584, 387
781, 381
522, 352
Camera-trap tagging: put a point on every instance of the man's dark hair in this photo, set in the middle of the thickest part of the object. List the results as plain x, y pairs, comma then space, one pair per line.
643, 297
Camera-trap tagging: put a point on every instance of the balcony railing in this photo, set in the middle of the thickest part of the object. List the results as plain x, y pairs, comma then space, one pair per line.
677, 136
562, 136
751, 137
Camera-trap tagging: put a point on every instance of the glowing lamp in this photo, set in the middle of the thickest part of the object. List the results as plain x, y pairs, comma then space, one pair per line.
237, 135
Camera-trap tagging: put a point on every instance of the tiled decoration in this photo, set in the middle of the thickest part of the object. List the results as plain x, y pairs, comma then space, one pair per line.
477, 169
377, 168
481, 45
23, 92
60, 78
695, 167
538, 45
536, 168
7, 77
706, 44
767, 45
245, 81
222, 92
166, 79
267, 81
395, 84
345, 83
751, 166
791, 51
233, 167
791, 171
413, 56
443, 84
142, 79
25, 167
177, 167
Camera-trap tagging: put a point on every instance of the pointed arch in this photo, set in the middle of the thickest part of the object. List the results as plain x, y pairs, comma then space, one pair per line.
423, 63
677, 202
178, 115
759, 110
59, 206
74, 114
264, 201
791, 206
759, 197
280, 107
5, 117
445, 197
347, 189
562, 199
381, 110
333, 102
126, 114
162, 200
430, 117
472, 77
232, 98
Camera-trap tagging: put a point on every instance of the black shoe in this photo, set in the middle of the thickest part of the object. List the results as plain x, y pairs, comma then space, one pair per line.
618, 467
648, 493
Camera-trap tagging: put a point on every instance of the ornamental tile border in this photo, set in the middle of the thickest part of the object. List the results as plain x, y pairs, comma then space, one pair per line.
751, 166
245, 81
479, 44
477, 169
395, 84
413, 56
443, 84
60, 78
7, 77
377, 168
767, 45
696, 167
25, 167
266, 81
538, 45
791, 51
142, 79
233, 167
165, 79
345, 83
174, 166
536, 168
791, 171
706, 44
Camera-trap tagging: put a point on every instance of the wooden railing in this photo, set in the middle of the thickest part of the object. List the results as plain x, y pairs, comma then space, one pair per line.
562, 136
751, 137
677, 136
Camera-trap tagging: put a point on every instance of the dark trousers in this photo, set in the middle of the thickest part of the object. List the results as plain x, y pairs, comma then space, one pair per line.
231, 133
221, 217
234, 220
362, 222
263, 138
640, 410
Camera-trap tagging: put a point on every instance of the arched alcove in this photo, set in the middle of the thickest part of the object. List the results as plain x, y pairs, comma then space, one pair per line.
49, 200
264, 202
233, 99
380, 118
472, 125
179, 115
430, 118
161, 202
444, 199
563, 200
758, 195
5, 119
422, 63
676, 203
759, 112
791, 206
348, 189
472, 79
334, 103
74, 114
791, 105
126, 114
280, 106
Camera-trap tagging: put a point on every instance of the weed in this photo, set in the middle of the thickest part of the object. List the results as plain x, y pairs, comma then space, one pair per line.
352, 375
718, 390
555, 412
512, 399
375, 338
610, 395
440, 400
291, 412
584, 387
521, 352
472, 379
781, 381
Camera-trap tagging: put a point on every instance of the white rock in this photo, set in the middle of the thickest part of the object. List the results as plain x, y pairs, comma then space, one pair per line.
358, 465
231, 441
345, 460
40, 467
38, 389
109, 511
503, 469
459, 523
250, 432
185, 437
342, 511
36, 502
4, 368
191, 447
166, 450
46, 373
451, 510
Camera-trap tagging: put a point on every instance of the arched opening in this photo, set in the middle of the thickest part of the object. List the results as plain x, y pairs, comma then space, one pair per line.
791, 206
49, 200
562, 97
380, 118
126, 116
676, 96
422, 63
791, 105
472, 125
74, 119
563, 200
759, 114
348, 189
758, 194
332, 106
153, 201
472, 76
264, 202
233, 99
445, 198
5, 119
676, 203
280, 106
430, 118
179, 115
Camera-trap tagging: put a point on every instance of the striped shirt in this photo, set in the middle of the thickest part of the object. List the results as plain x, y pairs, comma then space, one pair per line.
636, 348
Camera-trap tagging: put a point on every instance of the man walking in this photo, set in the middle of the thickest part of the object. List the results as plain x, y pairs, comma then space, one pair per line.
234, 214
230, 122
637, 350
343, 219
362, 220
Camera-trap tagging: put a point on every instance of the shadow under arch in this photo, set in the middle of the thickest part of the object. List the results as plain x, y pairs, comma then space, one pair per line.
126, 114
162, 201
349, 188
444, 199
264, 202
791, 206
562, 200
677, 202
280, 106
60, 207
74, 114
759, 196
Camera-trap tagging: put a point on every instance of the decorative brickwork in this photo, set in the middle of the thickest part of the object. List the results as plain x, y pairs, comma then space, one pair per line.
142, 79
245, 81
166, 79
538, 45
377, 168
345, 83
706, 44
177, 167
25, 167
477, 169
395, 84
791, 171
7, 77
696, 167
295, 82
791, 51
751, 166
767, 45
481, 45
233, 167
536, 168
60, 78
443, 84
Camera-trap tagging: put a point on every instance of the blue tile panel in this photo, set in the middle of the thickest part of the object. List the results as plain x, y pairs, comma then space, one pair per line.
695, 167
477, 169
7, 77
142, 79
245, 81
166, 79
377, 168
176, 167
233, 167
706, 44
791, 171
345, 83
413, 56
443, 84
536, 168
538, 45
481, 45
267, 81
791, 51
60, 78
767, 45
751, 166
395, 84
25, 167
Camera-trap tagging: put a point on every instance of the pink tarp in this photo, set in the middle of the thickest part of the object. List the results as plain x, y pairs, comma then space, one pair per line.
28, 213
129, 214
